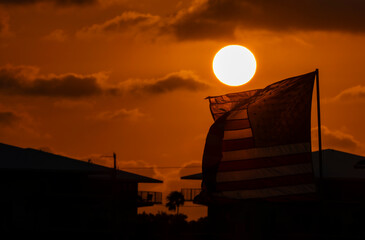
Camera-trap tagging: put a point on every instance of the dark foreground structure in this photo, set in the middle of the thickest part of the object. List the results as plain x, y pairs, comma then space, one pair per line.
55, 197
337, 213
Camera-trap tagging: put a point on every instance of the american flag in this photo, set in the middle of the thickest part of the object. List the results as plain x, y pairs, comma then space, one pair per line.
260, 144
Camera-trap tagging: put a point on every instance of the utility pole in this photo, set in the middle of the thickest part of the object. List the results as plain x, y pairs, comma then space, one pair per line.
114, 196
115, 161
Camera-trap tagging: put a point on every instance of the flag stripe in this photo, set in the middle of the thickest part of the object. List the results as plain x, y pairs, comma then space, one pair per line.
237, 144
276, 161
289, 180
266, 152
237, 134
264, 172
236, 124
235, 115
270, 192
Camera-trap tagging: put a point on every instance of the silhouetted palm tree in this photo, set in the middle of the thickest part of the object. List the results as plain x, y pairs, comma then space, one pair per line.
174, 200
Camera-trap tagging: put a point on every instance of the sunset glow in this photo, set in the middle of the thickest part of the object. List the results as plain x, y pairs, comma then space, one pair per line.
88, 78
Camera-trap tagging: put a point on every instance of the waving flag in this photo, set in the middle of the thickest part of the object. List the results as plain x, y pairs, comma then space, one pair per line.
259, 145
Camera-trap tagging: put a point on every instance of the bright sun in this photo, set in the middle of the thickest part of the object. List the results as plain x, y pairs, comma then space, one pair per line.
234, 65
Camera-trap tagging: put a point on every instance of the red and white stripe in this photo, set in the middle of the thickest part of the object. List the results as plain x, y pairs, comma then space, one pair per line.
246, 171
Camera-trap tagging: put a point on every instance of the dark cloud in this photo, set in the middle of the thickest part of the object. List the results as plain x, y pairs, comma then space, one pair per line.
26, 81
207, 19
58, 2
3, 24
184, 80
8, 118
73, 2
64, 86
46, 149
23, 80
220, 18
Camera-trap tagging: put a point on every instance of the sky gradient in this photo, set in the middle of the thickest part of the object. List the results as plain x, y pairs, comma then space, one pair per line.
86, 78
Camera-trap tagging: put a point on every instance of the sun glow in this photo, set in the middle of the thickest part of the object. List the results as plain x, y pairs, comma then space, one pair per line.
234, 65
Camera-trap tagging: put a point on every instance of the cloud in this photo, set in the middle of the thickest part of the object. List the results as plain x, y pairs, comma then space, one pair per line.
336, 139
74, 104
220, 18
132, 114
8, 119
185, 80
26, 80
4, 24
140, 167
131, 23
213, 19
47, 149
354, 93
19, 124
58, 2
57, 35
134, 166
190, 168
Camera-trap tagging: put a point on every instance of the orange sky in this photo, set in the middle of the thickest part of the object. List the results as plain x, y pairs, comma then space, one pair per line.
85, 78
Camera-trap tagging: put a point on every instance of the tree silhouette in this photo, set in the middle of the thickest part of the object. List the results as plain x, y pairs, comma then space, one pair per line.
174, 200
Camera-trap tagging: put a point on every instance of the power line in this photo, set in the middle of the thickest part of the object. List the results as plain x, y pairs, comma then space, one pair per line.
193, 206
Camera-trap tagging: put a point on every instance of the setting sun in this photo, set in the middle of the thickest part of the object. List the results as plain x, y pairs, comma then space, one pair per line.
234, 65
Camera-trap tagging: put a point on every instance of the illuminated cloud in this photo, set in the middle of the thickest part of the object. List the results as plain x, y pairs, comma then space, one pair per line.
185, 80
132, 114
128, 22
57, 35
190, 168
336, 139
354, 93
139, 167
134, 166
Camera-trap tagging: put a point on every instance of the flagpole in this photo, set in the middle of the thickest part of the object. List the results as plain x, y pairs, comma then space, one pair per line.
319, 128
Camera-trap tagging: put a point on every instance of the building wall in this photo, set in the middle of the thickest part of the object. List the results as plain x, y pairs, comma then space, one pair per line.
58, 202
306, 220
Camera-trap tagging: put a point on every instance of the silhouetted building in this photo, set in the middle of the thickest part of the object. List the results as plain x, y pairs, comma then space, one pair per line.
44, 193
337, 213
